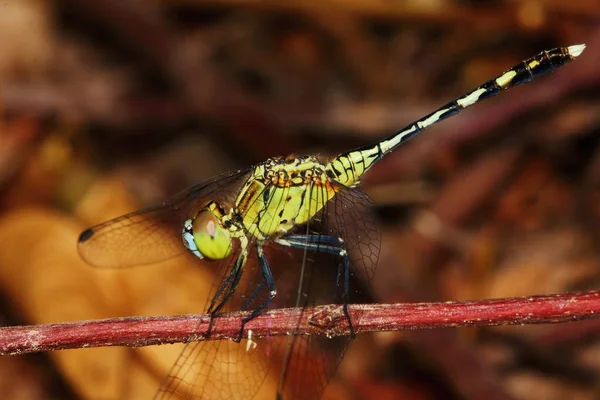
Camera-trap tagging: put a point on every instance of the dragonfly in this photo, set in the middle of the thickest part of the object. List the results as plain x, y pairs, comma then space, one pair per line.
287, 232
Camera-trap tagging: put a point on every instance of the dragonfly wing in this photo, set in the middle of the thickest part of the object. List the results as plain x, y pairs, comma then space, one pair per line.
153, 234
351, 218
224, 369
313, 359
217, 370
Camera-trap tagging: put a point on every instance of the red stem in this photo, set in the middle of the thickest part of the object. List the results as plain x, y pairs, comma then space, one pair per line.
328, 320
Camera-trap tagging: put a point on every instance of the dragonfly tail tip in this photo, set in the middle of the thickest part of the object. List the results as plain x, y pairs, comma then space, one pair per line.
576, 50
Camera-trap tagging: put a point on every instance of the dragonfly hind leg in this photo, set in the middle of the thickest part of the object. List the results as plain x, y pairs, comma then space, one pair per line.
331, 245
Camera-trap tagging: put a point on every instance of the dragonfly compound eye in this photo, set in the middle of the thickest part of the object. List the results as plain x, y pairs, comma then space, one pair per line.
206, 237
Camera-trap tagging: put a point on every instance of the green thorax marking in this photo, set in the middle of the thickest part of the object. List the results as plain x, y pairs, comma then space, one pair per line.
282, 193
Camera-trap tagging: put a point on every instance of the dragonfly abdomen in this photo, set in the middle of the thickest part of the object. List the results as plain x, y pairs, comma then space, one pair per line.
348, 168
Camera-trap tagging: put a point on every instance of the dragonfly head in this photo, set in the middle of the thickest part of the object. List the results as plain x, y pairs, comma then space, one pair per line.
205, 236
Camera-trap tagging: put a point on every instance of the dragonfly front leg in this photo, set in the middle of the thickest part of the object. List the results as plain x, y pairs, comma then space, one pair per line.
331, 245
228, 285
226, 289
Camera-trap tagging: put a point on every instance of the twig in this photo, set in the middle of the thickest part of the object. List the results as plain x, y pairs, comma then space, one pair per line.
325, 320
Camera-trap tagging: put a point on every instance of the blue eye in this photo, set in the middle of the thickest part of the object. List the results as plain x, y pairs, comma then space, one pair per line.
188, 239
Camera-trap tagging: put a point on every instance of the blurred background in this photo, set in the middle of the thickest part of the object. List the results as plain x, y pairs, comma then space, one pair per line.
107, 106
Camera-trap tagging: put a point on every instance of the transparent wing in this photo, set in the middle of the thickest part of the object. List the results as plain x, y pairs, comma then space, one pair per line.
223, 369
351, 218
220, 369
153, 234
314, 358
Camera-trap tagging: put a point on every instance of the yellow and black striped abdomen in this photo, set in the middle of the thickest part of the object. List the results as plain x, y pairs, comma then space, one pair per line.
348, 168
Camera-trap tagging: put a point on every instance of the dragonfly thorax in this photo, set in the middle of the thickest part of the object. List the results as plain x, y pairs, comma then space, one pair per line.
281, 194
290, 171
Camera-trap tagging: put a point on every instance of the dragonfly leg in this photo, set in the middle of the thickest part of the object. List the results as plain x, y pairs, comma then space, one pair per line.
332, 245
346, 296
321, 243
226, 290
228, 286
327, 239
269, 281
251, 298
